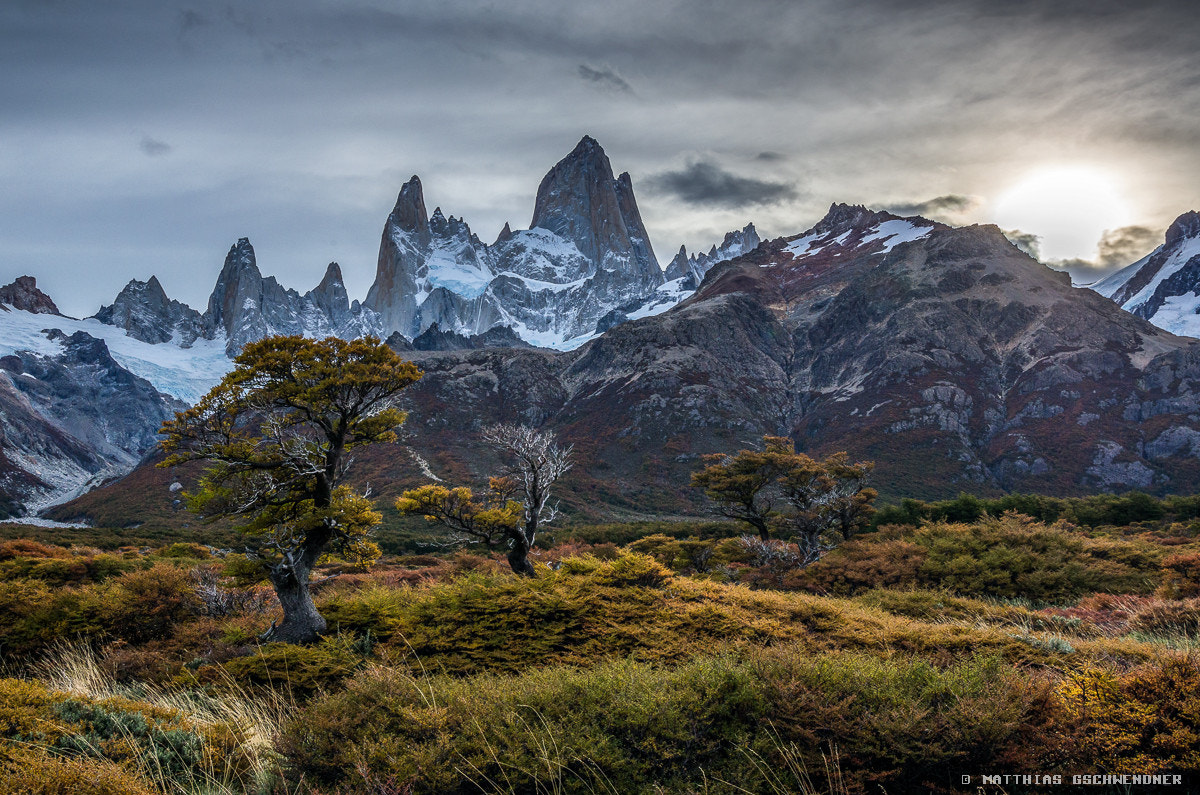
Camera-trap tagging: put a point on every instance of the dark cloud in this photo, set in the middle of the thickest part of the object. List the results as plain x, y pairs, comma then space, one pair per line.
1026, 241
153, 147
940, 207
312, 104
707, 184
189, 20
605, 78
1116, 249
1124, 246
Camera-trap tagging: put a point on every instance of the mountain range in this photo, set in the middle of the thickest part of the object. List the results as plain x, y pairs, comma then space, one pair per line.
948, 356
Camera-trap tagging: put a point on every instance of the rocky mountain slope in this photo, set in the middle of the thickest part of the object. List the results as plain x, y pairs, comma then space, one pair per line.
946, 355
70, 414
1164, 286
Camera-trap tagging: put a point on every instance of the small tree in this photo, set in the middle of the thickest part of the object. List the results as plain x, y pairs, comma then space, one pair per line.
515, 505
745, 486
779, 490
277, 433
850, 507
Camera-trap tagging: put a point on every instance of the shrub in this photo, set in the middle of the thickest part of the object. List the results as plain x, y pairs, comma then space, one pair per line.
1169, 620
31, 773
1180, 576
623, 726
1144, 721
144, 605
26, 548
159, 744
865, 563
300, 669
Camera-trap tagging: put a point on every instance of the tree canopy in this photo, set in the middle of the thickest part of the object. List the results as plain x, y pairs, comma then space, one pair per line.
277, 434
779, 491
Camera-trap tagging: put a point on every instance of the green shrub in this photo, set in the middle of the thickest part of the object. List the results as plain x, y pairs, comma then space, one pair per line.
1008, 557
299, 669
623, 726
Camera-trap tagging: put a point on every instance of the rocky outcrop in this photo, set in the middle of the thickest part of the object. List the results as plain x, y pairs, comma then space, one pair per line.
24, 294
435, 339
145, 312
245, 306
691, 269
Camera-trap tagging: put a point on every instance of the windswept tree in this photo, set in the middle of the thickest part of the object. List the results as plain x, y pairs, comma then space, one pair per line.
777, 490
746, 486
278, 434
516, 503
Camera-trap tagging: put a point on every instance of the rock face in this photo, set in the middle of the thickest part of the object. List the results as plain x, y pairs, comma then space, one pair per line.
1164, 286
586, 252
145, 312
24, 294
691, 269
70, 420
245, 306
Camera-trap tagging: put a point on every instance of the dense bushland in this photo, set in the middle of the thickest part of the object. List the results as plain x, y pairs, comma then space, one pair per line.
686, 662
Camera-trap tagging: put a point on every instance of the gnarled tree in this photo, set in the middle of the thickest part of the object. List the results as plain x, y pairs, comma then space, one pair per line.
278, 433
777, 490
516, 504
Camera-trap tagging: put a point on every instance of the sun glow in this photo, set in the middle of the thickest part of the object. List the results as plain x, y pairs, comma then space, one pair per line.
1068, 207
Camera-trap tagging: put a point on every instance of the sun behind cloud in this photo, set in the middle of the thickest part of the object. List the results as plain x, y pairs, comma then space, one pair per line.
1068, 207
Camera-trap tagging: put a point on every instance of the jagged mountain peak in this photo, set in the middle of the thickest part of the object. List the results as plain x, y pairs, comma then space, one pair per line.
586, 252
1183, 227
147, 314
693, 268
409, 214
1163, 286
333, 276
577, 199
23, 293
843, 217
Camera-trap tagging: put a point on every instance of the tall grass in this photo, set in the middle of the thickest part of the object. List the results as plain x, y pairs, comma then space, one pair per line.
255, 718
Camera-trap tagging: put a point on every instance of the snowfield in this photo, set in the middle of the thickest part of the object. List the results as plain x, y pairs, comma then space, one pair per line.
183, 373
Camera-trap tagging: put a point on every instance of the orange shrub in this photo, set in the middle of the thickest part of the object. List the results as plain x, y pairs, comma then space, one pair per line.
865, 564
27, 548
1180, 576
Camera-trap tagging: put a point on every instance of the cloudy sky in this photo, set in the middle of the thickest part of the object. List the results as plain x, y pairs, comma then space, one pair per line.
144, 137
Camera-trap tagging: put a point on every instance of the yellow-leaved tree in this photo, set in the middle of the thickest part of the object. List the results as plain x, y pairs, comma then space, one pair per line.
277, 434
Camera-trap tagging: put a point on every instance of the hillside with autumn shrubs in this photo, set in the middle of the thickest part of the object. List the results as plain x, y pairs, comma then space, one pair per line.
673, 657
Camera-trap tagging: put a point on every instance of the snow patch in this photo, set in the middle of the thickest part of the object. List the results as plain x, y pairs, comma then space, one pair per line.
893, 233
1173, 265
1179, 314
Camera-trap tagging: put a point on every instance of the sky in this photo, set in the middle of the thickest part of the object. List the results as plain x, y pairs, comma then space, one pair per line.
142, 137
